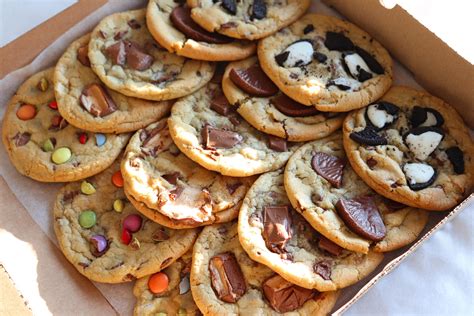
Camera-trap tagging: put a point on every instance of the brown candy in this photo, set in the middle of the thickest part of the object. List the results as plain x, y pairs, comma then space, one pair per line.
276, 227
284, 296
219, 138
290, 107
361, 215
220, 104
277, 143
329, 246
329, 167
323, 268
253, 81
97, 101
82, 55
227, 279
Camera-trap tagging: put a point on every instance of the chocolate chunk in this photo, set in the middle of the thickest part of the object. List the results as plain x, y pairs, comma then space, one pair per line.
308, 29
425, 117
160, 235
253, 81
181, 19
259, 10
422, 141
232, 187
134, 24
155, 141
371, 162
229, 5
329, 167
338, 41
228, 25
21, 139
136, 58
227, 279
393, 205
362, 217
277, 143
282, 57
220, 104
172, 178
119, 35
117, 53
368, 136
370, 60
320, 57
284, 296
82, 55
219, 138
323, 268
97, 101
58, 123
219, 72
329, 246
290, 107
276, 227
456, 156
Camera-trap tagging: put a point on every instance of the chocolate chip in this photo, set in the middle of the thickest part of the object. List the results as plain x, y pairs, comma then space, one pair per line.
368, 136
117, 53
120, 34
220, 104
227, 279
219, 138
290, 107
456, 156
362, 217
253, 81
97, 101
393, 205
259, 10
338, 41
282, 57
69, 196
228, 25
284, 296
82, 55
160, 235
229, 5
308, 29
232, 187
277, 143
329, 167
323, 268
172, 178
136, 58
425, 117
371, 162
370, 60
276, 227
21, 139
329, 246
320, 57
134, 24
316, 198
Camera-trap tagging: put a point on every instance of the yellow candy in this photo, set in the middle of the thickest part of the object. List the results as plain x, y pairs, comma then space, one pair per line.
118, 206
61, 155
87, 188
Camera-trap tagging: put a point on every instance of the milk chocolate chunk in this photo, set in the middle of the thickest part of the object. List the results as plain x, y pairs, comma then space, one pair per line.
21, 139
253, 81
219, 138
155, 142
276, 227
290, 107
227, 279
329, 167
284, 296
229, 5
362, 216
181, 19
368, 136
277, 143
97, 101
370, 60
82, 55
172, 178
456, 156
323, 268
117, 53
136, 58
134, 24
393, 205
425, 117
259, 10
329, 246
220, 104
338, 41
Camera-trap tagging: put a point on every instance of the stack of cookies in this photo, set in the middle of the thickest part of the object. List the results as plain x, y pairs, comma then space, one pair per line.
202, 142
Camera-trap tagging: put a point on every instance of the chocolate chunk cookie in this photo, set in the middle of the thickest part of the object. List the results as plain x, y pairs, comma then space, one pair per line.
328, 63
323, 187
171, 25
246, 19
86, 103
225, 281
105, 238
42, 145
412, 148
270, 111
173, 190
127, 59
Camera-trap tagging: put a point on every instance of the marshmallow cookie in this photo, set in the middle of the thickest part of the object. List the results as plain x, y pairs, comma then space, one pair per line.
339, 205
105, 238
225, 281
43, 146
412, 148
171, 25
85, 103
127, 59
246, 19
207, 129
260, 103
328, 63
173, 190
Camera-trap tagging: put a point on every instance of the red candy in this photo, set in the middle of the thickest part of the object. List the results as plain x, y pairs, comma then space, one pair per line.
117, 179
132, 223
83, 138
126, 236
53, 105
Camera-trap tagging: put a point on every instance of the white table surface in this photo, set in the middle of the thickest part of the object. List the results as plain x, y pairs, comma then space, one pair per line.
437, 280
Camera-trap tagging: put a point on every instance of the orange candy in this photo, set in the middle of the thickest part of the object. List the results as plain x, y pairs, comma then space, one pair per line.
26, 112
117, 179
158, 283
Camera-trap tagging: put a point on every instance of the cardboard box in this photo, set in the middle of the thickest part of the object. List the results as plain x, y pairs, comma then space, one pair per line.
49, 284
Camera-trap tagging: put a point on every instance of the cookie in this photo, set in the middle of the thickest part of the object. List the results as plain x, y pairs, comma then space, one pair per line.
173, 190
261, 104
327, 63
127, 59
323, 187
171, 25
225, 281
207, 129
85, 103
43, 146
167, 292
246, 19
413, 148
105, 238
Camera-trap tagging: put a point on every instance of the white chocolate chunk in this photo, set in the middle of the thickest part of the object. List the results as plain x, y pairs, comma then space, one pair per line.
418, 172
378, 117
424, 144
301, 53
430, 120
354, 62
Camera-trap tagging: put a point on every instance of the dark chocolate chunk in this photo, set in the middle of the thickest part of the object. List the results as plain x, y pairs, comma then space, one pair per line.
290, 107
220, 104
419, 116
119, 35
134, 24
284, 296
329, 167
219, 138
456, 156
329, 246
172, 178
136, 58
160, 235
323, 268
97, 101
230, 6
117, 53
21, 139
276, 227
368, 136
253, 81
393, 205
320, 57
82, 55
227, 279
370, 60
232, 187
277, 143
259, 10
282, 57
308, 29
219, 72
58, 123
338, 41
362, 217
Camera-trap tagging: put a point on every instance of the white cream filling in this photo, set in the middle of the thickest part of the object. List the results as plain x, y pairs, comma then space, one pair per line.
424, 144
430, 120
418, 172
378, 117
301, 52
354, 60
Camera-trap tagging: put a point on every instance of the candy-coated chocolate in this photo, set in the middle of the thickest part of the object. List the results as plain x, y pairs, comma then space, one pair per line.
117, 179
87, 188
53, 105
48, 145
87, 219
83, 138
118, 206
126, 236
26, 112
158, 283
100, 139
61, 155
132, 223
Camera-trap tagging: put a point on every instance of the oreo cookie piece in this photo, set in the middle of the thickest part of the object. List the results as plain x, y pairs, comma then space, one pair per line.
370, 61
368, 136
382, 114
356, 66
419, 175
425, 117
338, 41
297, 54
422, 141
259, 10
456, 156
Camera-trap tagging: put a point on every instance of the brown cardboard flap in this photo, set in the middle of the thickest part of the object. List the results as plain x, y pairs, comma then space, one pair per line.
434, 64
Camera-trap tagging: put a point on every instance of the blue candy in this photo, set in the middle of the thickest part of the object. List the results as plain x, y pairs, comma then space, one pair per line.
100, 139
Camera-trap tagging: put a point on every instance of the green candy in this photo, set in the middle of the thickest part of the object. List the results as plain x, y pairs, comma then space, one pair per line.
48, 145
61, 155
87, 188
87, 219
